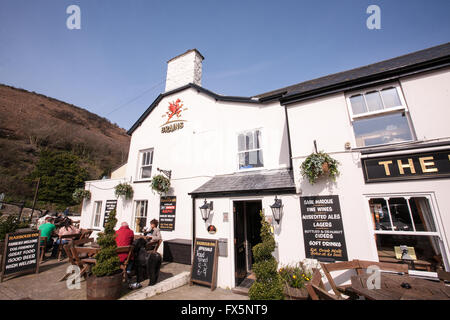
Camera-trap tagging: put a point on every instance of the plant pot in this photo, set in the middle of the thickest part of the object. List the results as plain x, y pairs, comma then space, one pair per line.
325, 167
104, 288
295, 293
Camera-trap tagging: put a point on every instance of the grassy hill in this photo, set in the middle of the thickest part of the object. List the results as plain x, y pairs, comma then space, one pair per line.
31, 123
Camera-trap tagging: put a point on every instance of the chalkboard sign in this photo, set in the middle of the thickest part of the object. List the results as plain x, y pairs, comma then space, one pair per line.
167, 213
21, 253
323, 231
204, 264
110, 206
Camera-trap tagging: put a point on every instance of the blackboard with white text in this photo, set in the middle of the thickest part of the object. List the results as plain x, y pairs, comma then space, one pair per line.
168, 207
21, 253
323, 231
204, 264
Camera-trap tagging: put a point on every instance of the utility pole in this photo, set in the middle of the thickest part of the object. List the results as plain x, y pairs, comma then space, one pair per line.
35, 198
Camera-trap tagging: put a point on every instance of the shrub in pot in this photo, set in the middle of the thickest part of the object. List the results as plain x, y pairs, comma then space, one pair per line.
317, 165
105, 283
268, 284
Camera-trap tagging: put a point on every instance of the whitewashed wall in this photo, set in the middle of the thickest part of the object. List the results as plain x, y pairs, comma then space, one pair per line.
326, 120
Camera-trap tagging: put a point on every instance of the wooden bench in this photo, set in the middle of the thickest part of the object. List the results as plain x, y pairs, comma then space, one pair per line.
316, 288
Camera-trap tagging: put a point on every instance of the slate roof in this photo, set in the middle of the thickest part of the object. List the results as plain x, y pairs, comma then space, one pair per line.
252, 181
419, 61
402, 64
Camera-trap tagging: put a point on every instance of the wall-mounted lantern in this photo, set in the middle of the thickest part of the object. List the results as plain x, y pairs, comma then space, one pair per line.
277, 210
205, 210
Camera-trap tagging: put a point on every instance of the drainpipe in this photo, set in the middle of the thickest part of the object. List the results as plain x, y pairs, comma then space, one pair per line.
288, 136
193, 222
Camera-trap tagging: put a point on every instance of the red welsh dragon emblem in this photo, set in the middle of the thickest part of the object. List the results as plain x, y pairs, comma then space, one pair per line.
175, 109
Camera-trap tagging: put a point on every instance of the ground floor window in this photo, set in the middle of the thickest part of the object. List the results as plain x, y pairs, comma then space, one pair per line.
406, 221
97, 214
140, 215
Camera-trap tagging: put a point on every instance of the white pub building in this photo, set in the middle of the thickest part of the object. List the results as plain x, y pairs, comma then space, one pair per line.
386, 123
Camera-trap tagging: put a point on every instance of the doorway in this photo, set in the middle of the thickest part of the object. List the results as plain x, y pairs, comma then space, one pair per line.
247, 229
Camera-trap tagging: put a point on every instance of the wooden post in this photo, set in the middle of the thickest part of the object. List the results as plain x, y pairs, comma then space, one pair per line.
35, 198
21, 209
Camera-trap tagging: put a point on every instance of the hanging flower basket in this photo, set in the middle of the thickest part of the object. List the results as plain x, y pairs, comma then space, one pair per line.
124, 189
80, 194
160, 184
317, 165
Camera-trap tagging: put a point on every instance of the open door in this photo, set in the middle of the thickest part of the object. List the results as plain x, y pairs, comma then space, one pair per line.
239, 242
247, 229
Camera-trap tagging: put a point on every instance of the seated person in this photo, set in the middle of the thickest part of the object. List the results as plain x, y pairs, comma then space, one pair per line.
47, 230
125, 237
155, 233
66, 229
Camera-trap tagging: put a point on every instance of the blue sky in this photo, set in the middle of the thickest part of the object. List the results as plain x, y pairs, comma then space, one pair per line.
117, 61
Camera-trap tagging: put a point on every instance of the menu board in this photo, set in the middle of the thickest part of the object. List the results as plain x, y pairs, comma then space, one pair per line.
204, 264
167, 213
21, 253
323, 231
110, 206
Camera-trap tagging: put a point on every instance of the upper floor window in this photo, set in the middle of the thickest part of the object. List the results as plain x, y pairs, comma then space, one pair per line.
379, 117
146, 162
250, 150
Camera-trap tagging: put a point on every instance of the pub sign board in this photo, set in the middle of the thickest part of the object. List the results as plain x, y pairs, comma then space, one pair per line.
109, 206
415, 166
323, 231
204, 264
167, 213
21, 253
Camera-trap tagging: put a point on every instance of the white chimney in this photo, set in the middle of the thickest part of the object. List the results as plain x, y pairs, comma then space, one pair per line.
183, 69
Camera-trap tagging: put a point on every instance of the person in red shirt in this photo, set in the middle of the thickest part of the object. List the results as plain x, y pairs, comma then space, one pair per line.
125, 237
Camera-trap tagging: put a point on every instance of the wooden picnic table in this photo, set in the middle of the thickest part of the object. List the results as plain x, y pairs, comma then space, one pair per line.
391, 288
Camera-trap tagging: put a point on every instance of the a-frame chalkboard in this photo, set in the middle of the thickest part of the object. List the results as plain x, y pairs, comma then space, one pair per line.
22, 253
204, 262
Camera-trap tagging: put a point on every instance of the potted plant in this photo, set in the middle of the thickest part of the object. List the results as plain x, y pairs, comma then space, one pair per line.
79, 194
124, 189
160, 184
295, 277
268, 284
319, 164
105, 282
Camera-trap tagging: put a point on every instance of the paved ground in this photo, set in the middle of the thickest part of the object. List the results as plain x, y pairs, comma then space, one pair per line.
45, 285
42, 286
197, 292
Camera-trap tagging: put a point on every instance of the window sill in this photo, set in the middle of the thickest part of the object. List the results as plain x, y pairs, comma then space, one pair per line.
250, 169
142, 181
386, 147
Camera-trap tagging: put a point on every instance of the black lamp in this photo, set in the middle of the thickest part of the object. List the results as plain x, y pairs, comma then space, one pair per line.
277, 210
205, 210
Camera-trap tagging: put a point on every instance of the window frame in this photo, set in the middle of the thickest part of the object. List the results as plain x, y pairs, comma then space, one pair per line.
94, 214
261, 148
140, 166
435, 214
133, 222
385, 111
